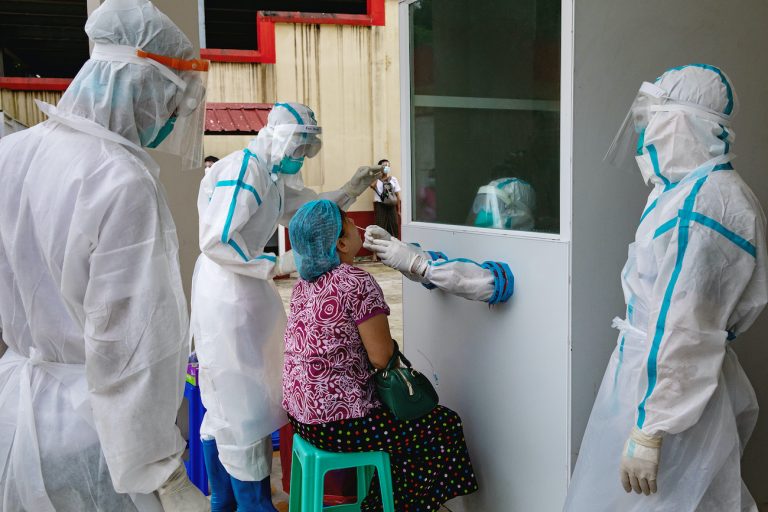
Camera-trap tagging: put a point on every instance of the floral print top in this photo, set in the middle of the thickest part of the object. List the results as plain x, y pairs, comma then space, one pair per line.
327, 376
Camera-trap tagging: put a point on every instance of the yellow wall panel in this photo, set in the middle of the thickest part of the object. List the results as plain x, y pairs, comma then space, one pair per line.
20, 105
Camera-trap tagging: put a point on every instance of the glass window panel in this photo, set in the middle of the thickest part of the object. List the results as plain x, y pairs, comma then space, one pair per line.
486, 114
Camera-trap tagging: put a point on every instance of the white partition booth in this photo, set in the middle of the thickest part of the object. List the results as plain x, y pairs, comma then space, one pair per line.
535, 90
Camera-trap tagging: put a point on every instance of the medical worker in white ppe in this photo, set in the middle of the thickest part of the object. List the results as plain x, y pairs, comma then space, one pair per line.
504, 203
675, 409
91, 302
238, 318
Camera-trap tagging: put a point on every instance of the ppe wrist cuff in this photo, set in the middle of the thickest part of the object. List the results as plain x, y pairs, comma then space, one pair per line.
503, 282
646, 440
419, 267
347, 189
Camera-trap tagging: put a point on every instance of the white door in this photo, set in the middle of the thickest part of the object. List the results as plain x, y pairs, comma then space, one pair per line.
486, 99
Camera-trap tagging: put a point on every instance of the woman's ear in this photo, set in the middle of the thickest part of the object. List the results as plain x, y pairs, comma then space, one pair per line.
341, 246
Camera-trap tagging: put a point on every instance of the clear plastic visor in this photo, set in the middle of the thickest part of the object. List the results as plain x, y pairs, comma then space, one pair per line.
296, 141
624, 145
651, 99
186, 139
190, 78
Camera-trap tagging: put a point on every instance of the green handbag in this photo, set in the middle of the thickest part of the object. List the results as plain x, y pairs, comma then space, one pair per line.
405, 391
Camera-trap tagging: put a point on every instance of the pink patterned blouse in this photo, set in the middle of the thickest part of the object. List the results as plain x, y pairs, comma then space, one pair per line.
327, 376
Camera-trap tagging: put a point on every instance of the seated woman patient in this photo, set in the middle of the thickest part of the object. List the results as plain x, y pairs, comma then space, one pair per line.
337, 335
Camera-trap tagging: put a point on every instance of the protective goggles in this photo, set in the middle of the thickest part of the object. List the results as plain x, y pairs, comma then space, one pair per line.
296, 141
651, 99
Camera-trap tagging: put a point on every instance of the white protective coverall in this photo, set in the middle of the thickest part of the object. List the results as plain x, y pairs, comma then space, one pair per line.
91, 301
695, 279
238, 320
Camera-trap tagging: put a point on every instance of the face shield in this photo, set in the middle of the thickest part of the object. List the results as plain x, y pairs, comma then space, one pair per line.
292, 143
182, 133
650, 99
504, 204
624, 144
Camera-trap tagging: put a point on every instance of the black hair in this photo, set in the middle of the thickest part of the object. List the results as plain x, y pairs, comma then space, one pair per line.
343, 218
383, 160
211, 158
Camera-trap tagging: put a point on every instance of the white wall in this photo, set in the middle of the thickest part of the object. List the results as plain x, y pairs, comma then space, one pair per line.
619, 44
503, 369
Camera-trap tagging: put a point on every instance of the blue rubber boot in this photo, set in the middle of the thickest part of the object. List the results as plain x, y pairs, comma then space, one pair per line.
222, 494
253, 496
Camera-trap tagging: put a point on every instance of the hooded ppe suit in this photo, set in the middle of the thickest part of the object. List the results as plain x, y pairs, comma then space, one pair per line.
695, 279
238, 319
91, 301
506, 203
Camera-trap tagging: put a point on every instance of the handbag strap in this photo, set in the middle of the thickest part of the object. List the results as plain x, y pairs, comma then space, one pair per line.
395, 356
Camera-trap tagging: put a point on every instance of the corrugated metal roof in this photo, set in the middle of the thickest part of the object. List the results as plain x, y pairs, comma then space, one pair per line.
235, 118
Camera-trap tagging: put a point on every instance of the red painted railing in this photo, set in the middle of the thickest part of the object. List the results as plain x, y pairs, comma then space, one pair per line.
265, 31
265, 41
34, 84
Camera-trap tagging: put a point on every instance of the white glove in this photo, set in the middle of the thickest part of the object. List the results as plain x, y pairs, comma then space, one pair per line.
285, 264
375, 232
178, 494
406, 258
362, 179
640, 462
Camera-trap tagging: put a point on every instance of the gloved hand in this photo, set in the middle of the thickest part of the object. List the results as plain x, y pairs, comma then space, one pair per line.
406, 258
362, 179
285, 264
640, 462
178, 494
374, 232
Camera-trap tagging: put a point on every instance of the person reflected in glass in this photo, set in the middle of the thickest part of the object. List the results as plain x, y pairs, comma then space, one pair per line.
505, 203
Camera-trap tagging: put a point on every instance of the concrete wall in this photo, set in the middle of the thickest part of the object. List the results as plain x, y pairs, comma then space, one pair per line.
349, 75
619, 44
20, 105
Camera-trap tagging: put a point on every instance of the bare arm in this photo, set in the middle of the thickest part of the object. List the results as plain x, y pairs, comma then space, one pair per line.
377, 340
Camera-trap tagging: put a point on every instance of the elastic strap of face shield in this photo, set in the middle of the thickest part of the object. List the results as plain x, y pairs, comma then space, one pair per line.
129, 55
178, 64
695, 110
286, 131
298, 128
653, 90
668, 104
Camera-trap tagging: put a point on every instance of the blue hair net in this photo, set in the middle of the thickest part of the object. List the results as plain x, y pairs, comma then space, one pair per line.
314, 230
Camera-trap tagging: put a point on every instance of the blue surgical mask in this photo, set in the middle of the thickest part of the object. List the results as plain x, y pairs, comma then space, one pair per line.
290, 165
640, 142
386, 169
164, 132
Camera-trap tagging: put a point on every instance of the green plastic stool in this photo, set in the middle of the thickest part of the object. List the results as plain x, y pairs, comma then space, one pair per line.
310, 464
